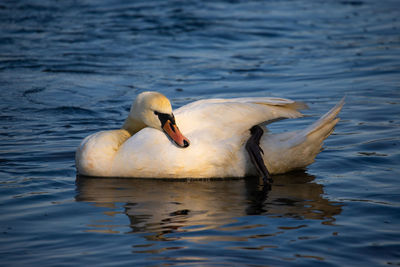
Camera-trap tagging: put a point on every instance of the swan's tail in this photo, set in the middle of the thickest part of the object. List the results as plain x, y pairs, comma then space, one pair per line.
322, 128
298, 149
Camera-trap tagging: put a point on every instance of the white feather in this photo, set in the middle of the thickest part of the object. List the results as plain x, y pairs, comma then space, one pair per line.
218, 130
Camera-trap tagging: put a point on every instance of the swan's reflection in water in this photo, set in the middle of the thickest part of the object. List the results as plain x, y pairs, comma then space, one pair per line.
160, 207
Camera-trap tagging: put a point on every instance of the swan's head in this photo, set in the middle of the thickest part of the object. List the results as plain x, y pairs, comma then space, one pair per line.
154, 110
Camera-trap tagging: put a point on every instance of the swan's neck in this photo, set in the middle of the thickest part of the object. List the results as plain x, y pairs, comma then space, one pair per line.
132, 125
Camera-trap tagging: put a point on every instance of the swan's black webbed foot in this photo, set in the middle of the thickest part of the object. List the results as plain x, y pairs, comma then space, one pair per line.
254, 150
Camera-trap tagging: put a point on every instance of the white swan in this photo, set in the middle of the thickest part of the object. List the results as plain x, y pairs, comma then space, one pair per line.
218, 130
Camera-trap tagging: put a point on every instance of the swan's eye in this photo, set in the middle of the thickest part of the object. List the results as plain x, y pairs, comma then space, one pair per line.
163, 117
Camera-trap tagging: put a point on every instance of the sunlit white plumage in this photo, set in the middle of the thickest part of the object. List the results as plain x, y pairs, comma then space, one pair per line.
217, 130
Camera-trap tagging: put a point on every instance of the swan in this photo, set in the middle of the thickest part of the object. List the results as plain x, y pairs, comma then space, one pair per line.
216, 138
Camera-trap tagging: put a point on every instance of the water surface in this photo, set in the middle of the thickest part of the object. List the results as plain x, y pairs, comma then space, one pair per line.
69, 69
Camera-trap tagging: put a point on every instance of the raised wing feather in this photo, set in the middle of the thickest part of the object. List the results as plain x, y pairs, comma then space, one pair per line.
233, 116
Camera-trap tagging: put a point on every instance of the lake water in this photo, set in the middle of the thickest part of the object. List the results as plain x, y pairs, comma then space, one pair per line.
72, 68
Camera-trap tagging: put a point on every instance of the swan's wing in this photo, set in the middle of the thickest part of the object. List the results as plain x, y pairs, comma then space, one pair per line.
234, 116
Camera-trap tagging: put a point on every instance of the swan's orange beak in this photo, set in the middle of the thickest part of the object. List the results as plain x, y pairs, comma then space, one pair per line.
173, 132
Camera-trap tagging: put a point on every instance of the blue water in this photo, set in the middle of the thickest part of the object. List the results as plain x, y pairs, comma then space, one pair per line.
72, 68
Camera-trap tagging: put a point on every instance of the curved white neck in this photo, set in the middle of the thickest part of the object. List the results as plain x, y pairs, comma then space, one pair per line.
132, 125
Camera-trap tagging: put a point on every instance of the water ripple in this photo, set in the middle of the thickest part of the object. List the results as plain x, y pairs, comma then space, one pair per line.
69, 69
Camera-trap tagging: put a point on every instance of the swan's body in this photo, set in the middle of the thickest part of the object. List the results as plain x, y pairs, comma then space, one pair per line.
217, 129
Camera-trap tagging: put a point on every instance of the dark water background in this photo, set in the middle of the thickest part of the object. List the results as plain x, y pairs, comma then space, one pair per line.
71, 68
